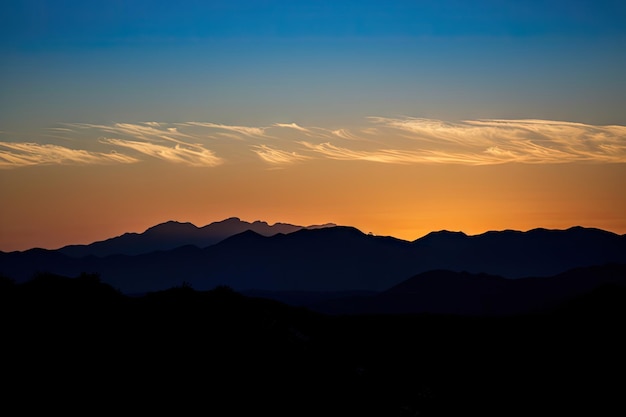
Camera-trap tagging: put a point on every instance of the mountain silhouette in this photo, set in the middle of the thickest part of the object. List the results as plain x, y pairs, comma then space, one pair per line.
338, 258
172, 234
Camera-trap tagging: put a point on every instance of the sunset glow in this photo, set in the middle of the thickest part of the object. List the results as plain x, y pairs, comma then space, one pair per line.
398, 118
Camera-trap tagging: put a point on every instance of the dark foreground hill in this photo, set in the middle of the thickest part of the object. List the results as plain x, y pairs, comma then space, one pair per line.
77, 345
463, 293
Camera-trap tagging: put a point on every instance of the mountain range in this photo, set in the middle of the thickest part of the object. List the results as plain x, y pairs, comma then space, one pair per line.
325, 258
448, 324
172, 234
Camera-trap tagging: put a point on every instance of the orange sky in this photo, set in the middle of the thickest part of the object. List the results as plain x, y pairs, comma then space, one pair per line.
54, 205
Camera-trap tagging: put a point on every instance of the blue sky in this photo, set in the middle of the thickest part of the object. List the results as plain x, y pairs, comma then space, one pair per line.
119, 21
303, 61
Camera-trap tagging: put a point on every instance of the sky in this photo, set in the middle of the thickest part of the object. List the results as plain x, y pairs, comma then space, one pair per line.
395, 117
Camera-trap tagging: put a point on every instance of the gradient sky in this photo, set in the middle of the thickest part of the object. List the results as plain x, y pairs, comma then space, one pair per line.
396, 117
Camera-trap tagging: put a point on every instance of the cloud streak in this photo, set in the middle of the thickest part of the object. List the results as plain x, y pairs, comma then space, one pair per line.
277, 156
385, 140
500, 141
195, 156
398, 156
292, 126
243, 130
13, 155
345, 134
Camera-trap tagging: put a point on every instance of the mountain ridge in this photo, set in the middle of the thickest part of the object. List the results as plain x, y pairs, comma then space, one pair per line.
337, 258
171, 234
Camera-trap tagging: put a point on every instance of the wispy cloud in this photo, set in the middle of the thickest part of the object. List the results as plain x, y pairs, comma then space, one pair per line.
499, 141
155, 139
335, 152
13, 155
386, 140
244, 130
228, 135
345, 134
292, 126
189, 155
152, 131
395, 156
277, 156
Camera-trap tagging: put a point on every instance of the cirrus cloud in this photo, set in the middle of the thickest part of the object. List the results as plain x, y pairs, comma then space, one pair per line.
399, 156
277, 156
244, 130
14, 155
292, 126
385, 140
499, 141
195, 156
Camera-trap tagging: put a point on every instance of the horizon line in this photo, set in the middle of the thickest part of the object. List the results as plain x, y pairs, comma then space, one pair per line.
320, 225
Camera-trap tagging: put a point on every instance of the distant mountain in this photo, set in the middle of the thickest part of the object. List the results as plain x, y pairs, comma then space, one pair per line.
515, 254
170, 235
463, 293
335, 258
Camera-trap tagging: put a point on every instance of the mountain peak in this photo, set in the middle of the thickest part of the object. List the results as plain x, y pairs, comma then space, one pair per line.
447, 233
441, 236
321, 226
170, 227
228, 220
